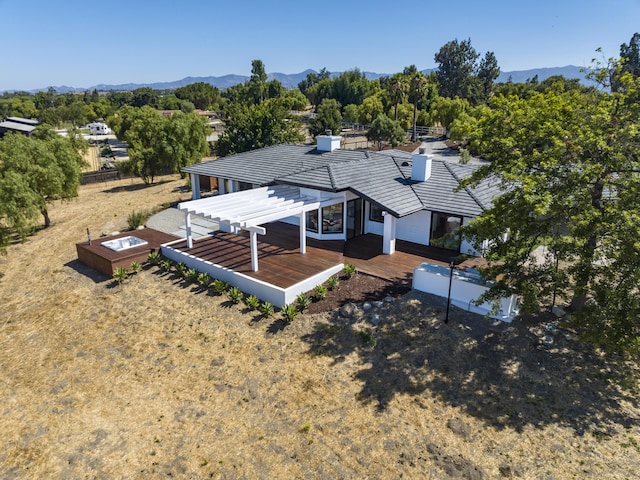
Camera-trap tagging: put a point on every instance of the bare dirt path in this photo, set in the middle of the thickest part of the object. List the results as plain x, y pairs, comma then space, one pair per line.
156, 378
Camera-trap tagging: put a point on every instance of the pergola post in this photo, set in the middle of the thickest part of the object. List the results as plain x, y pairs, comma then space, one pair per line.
303, 232
253, 235
187, 224
389, 235
195, 186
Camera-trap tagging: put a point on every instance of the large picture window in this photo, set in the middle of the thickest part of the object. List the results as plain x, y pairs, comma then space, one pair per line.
312, 221
332, 218
375, 213
445, 231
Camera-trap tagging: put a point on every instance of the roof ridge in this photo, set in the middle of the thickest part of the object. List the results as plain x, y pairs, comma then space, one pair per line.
331, 176
466, 189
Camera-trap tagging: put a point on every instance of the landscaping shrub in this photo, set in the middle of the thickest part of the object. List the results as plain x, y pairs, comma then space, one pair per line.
289, 312
136, 219
204, 279
120, 274
266, 309
350, 270
135, 267
320, 292
333, 282
154, 258
303, 301
235, 295
219, 286
252, 302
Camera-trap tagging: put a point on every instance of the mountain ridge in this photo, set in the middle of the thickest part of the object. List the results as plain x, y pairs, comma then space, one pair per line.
292, 80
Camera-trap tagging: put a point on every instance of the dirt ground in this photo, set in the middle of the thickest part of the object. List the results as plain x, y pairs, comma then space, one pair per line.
157, 378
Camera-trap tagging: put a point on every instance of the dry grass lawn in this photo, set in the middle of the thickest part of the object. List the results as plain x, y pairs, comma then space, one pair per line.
155, 378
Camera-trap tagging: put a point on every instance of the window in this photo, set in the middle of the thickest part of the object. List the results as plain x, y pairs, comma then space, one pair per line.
332, 218
242, 186
312, 221
444, 231
375, 213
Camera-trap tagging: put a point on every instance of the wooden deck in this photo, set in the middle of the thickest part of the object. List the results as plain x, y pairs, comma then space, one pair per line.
365, 253
105, 260
280, 262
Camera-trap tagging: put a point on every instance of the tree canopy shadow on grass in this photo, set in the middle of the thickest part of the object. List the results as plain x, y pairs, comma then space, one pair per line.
506, 376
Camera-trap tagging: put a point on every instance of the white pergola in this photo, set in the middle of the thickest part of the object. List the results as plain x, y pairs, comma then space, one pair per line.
249, 209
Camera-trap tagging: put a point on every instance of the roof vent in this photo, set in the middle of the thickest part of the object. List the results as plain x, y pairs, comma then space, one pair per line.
328, 143
422, 150
405, 164
421, 167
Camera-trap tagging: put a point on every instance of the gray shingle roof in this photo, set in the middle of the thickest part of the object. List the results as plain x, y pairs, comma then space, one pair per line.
381, 178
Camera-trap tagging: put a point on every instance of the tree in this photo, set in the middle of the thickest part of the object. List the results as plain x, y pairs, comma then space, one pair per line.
249, 127
446, 110
568, 165
456, 65
383, 129
351, 86
630, 55
257, 81
488, 71
35, 171
398, 88
369, 110
204, 96
418, 86
327, 118
158, 143
460, 75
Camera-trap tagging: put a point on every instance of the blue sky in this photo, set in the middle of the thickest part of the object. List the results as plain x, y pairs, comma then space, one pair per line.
84, 43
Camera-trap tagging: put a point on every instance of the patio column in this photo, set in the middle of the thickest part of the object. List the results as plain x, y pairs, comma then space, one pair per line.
303, 232
389, 236
195, 186
187, 225
253, 235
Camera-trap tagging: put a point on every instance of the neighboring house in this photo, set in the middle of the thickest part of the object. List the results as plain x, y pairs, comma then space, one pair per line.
390, 193
26, 126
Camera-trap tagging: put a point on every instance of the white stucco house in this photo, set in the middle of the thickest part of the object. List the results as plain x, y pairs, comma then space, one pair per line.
331, 194
338, 194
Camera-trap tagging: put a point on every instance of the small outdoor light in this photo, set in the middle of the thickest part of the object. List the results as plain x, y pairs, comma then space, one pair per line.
446, 318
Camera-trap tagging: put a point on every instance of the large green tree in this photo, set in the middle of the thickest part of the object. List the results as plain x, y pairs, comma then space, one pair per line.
460, 74
384, 129
328, 117
203, 95
34, 171
157, 143
569, 166
249, 127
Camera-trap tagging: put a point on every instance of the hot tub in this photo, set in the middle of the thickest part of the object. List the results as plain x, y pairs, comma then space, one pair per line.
123, 243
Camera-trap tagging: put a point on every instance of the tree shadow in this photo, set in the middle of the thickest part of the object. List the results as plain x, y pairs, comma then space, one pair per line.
134, 187
508, 375
277, 326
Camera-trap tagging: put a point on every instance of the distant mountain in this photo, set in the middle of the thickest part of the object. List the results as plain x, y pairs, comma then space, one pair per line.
292, 80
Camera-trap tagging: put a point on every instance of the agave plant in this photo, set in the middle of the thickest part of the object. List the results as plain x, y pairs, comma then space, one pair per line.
303, 301
350, 270
204, 279
181, 269
154, 258
219, 286
320, 292
135, 267
333, 282
252, 302
120, 274
266, 309
192, 275
166, 265
235, 294
289, 312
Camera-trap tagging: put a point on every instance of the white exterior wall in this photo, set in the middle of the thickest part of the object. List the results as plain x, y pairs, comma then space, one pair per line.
266, 292
415, 227
466, 246
434, 279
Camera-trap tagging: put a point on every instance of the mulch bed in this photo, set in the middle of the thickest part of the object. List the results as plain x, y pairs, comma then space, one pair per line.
357, 289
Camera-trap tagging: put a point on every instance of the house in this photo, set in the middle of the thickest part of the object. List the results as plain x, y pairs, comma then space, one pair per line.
26, 126
325, 194
390, 193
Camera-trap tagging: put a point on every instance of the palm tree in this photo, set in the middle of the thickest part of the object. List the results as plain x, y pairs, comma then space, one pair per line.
417, 89
398, 87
